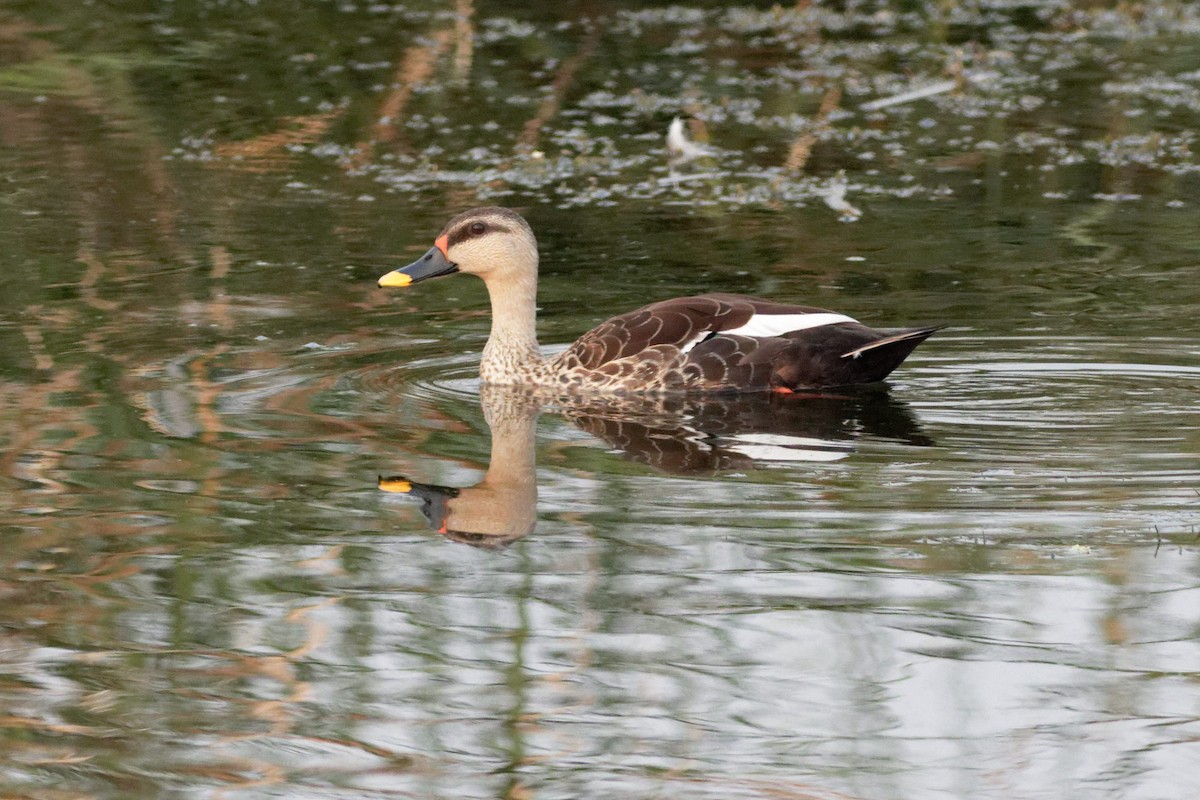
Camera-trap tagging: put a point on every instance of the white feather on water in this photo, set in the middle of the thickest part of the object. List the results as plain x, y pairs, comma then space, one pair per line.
681, 149
835, 198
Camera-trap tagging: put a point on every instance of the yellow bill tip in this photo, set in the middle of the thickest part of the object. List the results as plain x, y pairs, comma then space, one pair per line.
394, 278
395, 485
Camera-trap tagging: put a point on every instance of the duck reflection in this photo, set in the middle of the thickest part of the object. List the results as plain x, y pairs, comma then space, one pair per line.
502, 507
686, 436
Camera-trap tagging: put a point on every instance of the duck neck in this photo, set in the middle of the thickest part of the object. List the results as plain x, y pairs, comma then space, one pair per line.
511, 354
512, 416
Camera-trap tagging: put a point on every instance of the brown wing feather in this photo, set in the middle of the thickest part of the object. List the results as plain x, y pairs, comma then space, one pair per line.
760, 306
646, 347
740, 362
671, 323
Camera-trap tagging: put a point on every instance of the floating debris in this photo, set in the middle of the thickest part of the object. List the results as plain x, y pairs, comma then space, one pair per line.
802, 146
675, 180
681, 149
941, 87
835, 198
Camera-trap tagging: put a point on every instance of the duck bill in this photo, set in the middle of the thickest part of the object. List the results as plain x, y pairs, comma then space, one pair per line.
433, 498
431, 265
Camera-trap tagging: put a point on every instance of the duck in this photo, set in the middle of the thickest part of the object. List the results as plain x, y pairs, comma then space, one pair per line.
714, 343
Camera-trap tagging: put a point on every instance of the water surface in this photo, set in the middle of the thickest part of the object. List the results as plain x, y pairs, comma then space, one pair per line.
980, 580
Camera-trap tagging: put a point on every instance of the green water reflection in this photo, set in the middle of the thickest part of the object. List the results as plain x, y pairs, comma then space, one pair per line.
981, 581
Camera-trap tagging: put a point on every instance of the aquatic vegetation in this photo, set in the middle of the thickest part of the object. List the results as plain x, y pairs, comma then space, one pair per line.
453, 97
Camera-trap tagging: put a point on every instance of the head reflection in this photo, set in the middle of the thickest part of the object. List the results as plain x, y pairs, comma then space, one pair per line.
502, 507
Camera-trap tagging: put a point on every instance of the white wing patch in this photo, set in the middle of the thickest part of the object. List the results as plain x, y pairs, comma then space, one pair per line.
697, 339
762, 325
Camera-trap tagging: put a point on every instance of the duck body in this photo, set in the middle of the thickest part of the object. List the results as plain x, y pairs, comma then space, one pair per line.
710, 343
729, 342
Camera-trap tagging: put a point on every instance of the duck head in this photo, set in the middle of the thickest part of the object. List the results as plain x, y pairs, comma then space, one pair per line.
491, 242
491, 515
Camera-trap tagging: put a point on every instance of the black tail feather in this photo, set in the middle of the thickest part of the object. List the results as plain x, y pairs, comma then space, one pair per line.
841, 355
877, 359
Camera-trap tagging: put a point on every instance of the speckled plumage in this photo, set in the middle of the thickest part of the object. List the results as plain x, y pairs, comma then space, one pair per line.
683, 345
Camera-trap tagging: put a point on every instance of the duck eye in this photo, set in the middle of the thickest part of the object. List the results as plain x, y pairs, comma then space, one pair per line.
478, 228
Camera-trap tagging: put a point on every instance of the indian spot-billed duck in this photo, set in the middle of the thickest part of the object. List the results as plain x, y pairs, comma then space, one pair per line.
710, 343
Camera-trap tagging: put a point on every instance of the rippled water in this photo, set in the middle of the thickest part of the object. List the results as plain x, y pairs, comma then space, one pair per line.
985, 585
264, 535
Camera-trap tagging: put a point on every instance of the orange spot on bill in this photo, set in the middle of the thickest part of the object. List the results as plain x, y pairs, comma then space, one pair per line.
442, 243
